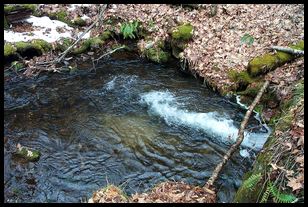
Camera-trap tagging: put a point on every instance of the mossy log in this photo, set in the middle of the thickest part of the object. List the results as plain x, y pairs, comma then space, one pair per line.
18, 12
268, 62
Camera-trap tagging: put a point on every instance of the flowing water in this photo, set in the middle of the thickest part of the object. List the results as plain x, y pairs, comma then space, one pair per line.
130, 122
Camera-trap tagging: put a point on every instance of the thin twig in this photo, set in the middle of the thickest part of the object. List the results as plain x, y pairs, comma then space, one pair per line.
102, 9
288, 50
108, 53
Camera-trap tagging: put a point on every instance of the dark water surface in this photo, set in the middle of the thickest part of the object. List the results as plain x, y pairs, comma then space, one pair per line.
130, 122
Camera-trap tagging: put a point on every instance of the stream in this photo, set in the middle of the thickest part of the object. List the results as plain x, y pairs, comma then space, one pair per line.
130, 122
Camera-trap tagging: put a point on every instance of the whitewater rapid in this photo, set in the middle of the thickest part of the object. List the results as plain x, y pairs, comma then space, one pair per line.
165, 105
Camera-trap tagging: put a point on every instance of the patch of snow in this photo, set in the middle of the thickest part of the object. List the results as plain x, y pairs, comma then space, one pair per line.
47, 30
84, 17
45, 24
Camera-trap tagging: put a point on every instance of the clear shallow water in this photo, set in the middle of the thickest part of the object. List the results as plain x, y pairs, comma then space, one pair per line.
130, 122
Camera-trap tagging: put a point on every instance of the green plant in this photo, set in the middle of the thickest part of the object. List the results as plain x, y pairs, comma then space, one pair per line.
17, 66
252, 181
278, 197
129, 29
247, 39
183, 32
266, 193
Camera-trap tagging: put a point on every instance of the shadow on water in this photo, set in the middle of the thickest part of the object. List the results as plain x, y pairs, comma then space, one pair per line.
130, 122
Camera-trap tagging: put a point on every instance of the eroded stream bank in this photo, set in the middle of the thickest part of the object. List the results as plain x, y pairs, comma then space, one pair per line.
129, 122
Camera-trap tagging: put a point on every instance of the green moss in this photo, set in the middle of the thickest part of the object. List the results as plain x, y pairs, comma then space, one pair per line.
9, 8
240, 77
63, 44
87, 44
9, 49
62, 16
263, 64
298, 46
30, 155
6, 25
182, 32
105, 35
284, 57
79, 22
32, 7
157, 55
268, 62
42, 45
22, 46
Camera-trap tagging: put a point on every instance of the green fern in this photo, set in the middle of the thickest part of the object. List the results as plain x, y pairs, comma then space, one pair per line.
279, 197
129, 29
252, 181
266, 193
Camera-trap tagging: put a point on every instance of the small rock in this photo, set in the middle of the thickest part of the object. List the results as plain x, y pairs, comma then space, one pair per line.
27, 153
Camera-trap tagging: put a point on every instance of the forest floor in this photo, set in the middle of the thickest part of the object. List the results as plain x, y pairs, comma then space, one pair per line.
216, 47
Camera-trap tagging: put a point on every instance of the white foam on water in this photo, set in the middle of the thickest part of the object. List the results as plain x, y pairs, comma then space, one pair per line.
110, 85
164, 104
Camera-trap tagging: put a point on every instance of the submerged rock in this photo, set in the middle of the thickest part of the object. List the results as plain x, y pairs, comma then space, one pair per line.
27, 153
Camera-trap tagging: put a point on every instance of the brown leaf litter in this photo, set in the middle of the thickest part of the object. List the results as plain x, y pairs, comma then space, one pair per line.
165, 192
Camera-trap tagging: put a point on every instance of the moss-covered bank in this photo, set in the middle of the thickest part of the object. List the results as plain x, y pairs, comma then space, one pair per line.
254, 192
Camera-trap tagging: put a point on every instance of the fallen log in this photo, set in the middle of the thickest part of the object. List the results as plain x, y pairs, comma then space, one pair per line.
288, 50
18, 14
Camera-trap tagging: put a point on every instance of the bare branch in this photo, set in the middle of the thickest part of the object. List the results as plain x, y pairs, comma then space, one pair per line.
288, 50
239, 140
102, 10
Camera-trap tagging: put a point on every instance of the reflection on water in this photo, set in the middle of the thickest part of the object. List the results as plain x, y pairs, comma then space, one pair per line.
131, 122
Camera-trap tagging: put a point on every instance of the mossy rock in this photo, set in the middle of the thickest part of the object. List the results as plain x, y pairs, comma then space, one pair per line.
157, 55
43, 45
105, 35
79, 22
63, 43
268, 62
9, 50
91, 43
182, 32
28, 154
39, 45
62, 16
177, 47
